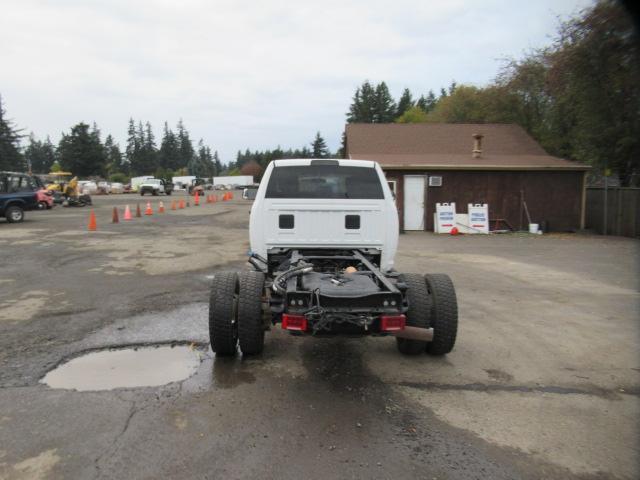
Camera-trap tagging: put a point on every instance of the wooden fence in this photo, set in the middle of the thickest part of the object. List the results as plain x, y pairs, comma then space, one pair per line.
622, 212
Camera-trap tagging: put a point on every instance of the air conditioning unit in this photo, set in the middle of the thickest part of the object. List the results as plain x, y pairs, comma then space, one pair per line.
435, 181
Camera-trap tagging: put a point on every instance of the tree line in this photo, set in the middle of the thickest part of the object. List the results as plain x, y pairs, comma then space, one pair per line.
82, 152
579, 98
254, 163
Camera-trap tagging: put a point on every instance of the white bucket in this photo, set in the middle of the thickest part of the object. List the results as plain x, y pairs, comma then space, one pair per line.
533, 228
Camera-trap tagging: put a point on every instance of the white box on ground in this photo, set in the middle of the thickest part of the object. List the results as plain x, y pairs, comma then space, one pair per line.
478, 217
445, 217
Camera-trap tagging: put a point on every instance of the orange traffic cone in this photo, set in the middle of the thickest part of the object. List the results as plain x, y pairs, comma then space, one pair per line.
92, 222
114, 216
207, 199
214, 198
196, 202
161, 207
224, 197
138, 212
181, 206
173, 204
127, 213
148, 211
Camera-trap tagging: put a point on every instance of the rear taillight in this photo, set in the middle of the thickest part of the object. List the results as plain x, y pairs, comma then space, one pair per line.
294, 322
392, 323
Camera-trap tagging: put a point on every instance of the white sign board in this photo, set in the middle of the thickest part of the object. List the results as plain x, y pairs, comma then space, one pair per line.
478, 218
445, 217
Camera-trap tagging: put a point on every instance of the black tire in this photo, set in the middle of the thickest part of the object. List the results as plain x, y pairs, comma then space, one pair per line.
444, 313
154, 193
14, 214
418, 313
223, 325
42, 205
250, 325
142, 193
169, 192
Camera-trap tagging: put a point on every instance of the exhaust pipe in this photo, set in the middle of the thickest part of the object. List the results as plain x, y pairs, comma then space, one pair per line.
415, 333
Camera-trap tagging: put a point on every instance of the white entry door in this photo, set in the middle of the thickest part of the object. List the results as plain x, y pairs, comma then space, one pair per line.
414, 202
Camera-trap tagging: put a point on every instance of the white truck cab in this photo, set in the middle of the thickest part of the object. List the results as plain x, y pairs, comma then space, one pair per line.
325, 204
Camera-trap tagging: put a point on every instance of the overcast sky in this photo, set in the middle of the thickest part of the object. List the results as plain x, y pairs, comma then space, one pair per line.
245, 74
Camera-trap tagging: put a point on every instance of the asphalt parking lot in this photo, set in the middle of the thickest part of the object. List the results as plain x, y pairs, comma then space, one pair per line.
544, 381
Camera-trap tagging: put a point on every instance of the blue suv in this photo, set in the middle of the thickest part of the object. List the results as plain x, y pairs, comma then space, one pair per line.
17, 194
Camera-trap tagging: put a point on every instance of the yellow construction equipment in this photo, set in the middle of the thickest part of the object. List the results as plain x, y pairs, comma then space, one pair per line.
58, 180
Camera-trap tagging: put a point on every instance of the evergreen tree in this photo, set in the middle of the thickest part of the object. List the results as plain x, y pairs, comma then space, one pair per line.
430, 102
10, 156
422, 103
405, 102
81, 151
185, 147
115, 162
149, 149
385, 106
169, 155
40, 156
362, 109
202, 165
319, 147
133, 148
142, 152
217, 164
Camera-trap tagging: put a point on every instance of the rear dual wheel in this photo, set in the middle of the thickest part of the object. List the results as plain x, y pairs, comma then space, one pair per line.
432, 304
444, 313
235, 313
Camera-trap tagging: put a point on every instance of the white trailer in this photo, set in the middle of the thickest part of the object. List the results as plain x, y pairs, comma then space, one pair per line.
136, 181
243, 180
182, 182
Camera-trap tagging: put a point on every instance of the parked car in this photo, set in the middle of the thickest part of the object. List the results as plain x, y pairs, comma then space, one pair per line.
117, 187
17, 194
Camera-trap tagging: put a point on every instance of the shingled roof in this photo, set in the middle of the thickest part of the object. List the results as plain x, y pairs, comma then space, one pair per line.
449, 146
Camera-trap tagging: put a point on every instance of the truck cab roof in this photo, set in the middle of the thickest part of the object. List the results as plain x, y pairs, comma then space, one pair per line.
305, 162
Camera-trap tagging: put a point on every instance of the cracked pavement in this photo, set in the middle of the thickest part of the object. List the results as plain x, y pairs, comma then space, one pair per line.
543, 383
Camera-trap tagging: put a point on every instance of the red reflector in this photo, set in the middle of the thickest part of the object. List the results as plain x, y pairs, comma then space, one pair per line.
294, 322
392, 323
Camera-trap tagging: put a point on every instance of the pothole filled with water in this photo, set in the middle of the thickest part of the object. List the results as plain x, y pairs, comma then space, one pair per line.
125, 368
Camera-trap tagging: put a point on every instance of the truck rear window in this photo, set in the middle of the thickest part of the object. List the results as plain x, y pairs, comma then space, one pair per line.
325, 181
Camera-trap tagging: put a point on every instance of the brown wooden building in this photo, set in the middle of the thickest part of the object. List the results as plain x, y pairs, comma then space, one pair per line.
498, 164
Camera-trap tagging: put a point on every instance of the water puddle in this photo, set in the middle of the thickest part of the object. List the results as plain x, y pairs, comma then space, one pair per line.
125, 368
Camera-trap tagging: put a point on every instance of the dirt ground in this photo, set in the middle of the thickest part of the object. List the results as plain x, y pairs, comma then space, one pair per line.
544, 381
